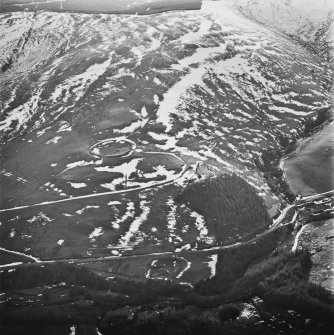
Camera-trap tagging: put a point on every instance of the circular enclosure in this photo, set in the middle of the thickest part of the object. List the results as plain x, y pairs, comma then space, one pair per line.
114, 147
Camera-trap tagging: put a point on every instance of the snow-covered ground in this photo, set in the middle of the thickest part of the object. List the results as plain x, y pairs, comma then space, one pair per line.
303, 18
209, 86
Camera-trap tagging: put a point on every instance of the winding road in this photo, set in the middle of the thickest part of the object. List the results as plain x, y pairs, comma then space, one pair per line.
208, 251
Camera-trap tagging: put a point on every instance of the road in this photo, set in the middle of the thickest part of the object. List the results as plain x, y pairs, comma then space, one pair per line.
208, 251
295, 244
102, 194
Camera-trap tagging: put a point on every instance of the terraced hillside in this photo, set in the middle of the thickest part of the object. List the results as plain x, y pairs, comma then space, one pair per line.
109, 117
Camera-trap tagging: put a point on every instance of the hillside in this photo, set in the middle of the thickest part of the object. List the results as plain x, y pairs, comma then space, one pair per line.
309, 22
206, 86
140, 164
